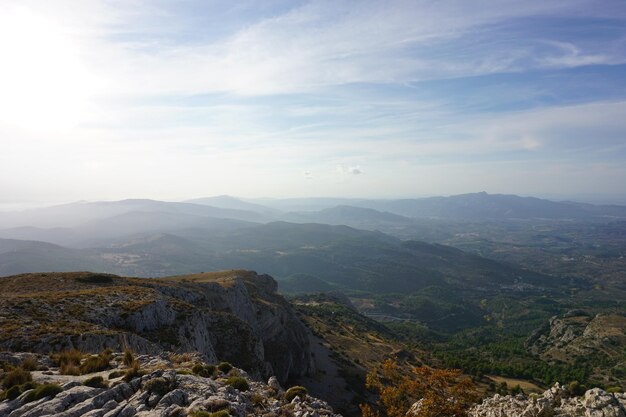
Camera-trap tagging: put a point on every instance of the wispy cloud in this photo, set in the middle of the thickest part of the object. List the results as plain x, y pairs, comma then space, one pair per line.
114, 97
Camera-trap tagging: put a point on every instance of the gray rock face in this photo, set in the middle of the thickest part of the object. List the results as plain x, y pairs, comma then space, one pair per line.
554, 402
240, 319
577, 334
184, 395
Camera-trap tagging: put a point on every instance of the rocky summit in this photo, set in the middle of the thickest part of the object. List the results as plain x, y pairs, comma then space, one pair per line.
166, 385
234, 316
555, 402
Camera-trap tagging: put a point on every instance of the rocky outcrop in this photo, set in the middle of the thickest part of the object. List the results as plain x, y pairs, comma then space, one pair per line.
236, 317
165, 392
555, 402
578, 334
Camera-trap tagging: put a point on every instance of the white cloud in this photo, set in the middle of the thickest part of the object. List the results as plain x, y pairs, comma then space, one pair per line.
112, 78
318, 44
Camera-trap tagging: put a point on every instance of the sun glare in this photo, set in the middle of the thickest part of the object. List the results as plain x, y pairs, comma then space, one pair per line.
42, 81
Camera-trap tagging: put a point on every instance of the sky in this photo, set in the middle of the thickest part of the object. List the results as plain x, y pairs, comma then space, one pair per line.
103, 100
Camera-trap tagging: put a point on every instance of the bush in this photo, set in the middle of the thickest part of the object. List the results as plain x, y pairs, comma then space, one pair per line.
158, 386
16, 376
446, 393
29, 385
224, 367
202, 413
238, 382
199, 413
517, 389
129, 357
206, 371
11, 394
42, 391
183, 372
116, 374
97, 363
575, 388
221, 413
95, 382
95, 279
133, 372
69, 369
29, 364
67, 357
296, 391
257, 399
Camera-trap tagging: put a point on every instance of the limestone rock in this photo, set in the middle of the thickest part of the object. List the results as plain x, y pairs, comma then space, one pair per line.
554, 402
166, 393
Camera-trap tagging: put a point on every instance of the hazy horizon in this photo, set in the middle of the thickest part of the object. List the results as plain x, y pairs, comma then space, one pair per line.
596, 199
106, 100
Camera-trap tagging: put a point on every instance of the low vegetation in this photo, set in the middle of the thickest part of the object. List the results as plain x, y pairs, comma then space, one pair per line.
96, 382
29, 364
133, 372
159, 386
42, 391
202, 413
116, 374
238, 383
224, 367
68, 361
96, 363
129, 357
296, 391
206, 371
16, 376
442, 392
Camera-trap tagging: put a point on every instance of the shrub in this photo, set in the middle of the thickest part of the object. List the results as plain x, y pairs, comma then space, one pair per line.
517, 389
296, 391
238, 382
221, 413
257, 399
202, 413
158, 386
69, 369
129, 357
199, 413
206, 371
95, 279
133, 372
96, 363
29, 364
16, 376
42, 391
445, 393
29, 385
12, 393
67, 357
95, 382
116, 374
224, 367
575, 388
183, 372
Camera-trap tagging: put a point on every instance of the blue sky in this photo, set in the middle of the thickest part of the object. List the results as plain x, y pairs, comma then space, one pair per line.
181, 99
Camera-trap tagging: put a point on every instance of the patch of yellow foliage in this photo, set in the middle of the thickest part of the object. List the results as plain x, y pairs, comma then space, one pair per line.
443, 392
